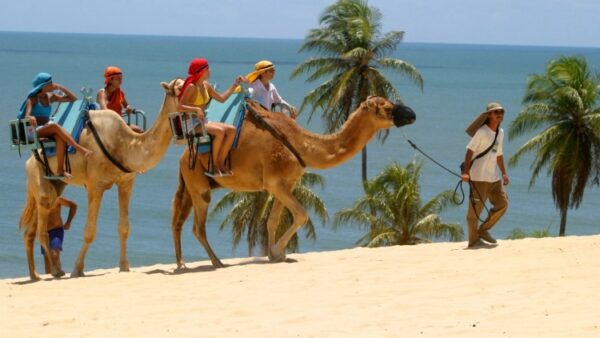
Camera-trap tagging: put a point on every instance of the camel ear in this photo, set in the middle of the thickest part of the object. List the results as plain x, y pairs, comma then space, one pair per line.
165, 86
370, 102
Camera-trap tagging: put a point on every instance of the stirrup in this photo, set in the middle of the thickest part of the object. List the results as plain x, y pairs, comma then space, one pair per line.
55, 177
211, 174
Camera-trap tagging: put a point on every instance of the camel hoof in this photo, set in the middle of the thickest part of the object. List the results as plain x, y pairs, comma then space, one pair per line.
218, 264
181, 265
124, 268
34, 277
58, 274
276, 257
77, 273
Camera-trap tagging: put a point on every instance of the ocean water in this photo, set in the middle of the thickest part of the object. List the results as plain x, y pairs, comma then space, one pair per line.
459, 81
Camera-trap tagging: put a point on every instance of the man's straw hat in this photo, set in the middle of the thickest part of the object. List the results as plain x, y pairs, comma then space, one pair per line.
482, 118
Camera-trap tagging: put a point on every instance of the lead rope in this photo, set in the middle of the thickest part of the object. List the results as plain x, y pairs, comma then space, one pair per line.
458, 185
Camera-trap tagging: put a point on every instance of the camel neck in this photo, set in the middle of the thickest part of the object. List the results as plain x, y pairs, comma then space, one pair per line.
326, 151
141, 152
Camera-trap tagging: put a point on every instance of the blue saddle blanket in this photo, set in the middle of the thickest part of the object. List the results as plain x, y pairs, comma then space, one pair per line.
231, 111
72, 117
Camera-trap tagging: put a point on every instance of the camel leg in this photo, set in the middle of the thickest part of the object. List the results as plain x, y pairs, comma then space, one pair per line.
94, 199
277, 252
200, 212
28, 239
272, 224
182, 206
124, 226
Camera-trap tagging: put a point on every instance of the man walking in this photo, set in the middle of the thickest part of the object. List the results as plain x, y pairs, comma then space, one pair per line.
484, 170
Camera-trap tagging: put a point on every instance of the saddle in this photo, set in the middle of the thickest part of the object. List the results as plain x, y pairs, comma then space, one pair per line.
232, 111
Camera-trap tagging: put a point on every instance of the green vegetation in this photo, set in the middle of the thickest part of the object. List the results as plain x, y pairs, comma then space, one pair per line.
392, 212
518, 233
354, 54
563, 102
249, 211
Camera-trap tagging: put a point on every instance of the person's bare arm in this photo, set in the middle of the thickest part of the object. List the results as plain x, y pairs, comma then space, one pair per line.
28, 107
62, 201
226, 94
468, 157
187, 96
128, 108
500, 161
68, 97
101, 99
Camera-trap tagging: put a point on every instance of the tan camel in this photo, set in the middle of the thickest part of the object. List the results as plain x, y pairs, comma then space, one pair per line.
261, 162
136, 152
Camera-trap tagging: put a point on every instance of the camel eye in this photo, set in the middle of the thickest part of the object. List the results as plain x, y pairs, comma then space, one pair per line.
387, 110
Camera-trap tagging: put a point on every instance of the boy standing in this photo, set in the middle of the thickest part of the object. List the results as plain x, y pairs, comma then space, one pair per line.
56, 230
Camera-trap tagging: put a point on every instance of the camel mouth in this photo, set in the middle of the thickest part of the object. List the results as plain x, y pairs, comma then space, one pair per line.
403, 115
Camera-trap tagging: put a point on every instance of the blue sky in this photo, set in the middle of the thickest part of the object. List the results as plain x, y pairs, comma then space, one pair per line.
512, 22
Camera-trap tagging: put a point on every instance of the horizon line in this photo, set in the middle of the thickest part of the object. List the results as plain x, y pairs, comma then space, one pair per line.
294, 39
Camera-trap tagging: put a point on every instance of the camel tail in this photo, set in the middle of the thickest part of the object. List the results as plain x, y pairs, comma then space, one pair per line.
182, 204
29, 214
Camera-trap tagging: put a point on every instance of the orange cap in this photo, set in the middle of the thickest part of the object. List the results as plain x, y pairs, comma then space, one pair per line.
111, 71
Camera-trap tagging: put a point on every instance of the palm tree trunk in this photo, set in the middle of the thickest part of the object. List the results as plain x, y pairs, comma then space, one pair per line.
563, 221
364, 168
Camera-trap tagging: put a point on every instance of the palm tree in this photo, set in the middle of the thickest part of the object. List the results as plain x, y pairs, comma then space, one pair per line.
249, 212
354, 55
563, 102
392, 211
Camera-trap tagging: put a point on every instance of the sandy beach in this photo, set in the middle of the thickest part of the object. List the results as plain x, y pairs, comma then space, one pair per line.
522, 288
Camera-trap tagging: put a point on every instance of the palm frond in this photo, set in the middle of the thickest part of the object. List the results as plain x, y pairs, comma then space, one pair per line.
564, 101
403, 68
392, 213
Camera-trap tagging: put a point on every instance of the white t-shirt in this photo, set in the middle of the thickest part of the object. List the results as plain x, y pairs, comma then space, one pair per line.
485, 169
265, 96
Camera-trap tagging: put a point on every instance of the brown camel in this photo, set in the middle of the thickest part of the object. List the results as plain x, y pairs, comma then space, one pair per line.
136, 152
262, 162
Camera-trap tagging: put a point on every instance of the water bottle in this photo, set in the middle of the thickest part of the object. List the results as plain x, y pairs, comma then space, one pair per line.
31, 132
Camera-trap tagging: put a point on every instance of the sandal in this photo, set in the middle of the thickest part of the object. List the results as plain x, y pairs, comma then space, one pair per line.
63, 176
225, 172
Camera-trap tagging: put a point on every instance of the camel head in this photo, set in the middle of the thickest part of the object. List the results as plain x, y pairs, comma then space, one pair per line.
172, 90
389, 113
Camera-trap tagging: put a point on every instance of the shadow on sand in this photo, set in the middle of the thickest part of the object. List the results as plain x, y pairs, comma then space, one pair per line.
481, 246
51, 279
207, 268
179, 271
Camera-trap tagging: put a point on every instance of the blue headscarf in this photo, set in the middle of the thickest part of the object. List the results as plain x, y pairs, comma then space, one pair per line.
39, 81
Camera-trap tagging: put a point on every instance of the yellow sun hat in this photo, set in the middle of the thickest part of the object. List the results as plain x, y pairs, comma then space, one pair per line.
259, 68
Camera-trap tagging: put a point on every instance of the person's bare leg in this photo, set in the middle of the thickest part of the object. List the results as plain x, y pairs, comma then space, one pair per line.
56, 256
217, 143
227, 143
56, 131
60, 157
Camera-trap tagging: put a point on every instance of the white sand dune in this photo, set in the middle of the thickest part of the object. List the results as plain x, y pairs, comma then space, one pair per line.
523, 288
